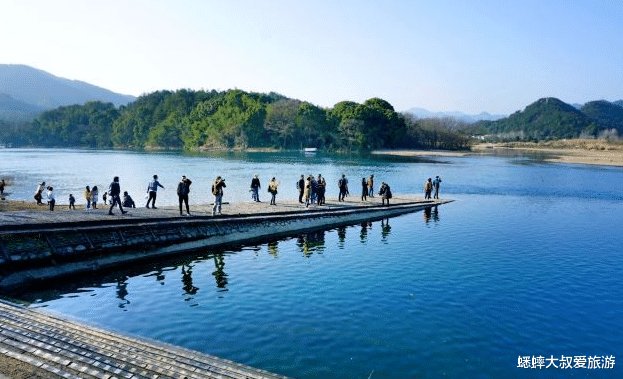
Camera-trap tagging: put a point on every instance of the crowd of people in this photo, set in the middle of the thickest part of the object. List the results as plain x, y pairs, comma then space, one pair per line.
311, 190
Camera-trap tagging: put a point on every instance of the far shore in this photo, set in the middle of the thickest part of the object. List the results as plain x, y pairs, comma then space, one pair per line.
577, 151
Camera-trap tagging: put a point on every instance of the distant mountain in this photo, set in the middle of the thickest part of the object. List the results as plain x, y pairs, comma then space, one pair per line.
470, 118
606, 114
15, 110
43, 91
547, 118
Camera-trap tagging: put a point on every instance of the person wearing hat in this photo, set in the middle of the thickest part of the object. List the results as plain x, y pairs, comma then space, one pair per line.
183, 189
255, 188
436, 184
152, 190
217, 191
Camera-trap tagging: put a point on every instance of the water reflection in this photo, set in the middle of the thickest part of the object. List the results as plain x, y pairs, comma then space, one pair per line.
311, 242
363, 234
187, 280
431, 213
273, 248
219, 273
341, 236
385, 229
122, 291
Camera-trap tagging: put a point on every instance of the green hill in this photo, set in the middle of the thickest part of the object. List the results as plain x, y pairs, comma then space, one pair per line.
547, 118
605, 114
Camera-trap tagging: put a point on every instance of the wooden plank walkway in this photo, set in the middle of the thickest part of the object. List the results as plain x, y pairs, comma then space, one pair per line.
68, 349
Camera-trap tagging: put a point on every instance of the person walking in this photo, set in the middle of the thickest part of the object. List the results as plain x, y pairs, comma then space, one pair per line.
272, 188
217, 191
364, 189
152, 190
72, 201
51, 198
371, 186
94, 195
87, 197
428, 187
183, 189
114, 189
300, 185
436, 184
39, 193
255, 188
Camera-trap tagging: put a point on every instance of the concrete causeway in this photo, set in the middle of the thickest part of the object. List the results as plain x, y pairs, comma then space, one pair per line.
38, 245
68, 349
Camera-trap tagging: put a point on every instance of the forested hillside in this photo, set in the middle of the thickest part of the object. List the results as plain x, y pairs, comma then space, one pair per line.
233, 119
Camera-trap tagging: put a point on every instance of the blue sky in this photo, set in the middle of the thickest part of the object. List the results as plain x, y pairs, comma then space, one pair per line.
470, 56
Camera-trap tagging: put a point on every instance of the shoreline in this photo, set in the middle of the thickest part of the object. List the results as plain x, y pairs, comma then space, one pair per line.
588, 152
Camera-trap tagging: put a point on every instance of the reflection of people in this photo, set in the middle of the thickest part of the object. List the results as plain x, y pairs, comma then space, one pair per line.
363, 235
122, 291
187, 280
219, 274
385, 228
435, 214
311, 242
427, 214
341, 235
273, 248
436, 184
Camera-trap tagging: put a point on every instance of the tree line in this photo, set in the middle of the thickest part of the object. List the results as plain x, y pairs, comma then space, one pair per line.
232, 119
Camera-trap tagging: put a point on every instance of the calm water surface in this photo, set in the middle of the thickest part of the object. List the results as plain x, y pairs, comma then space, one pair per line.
526, 261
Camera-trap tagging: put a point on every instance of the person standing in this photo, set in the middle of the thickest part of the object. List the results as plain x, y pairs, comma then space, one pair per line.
94, 195
300, 185
307, 190
217, 191
2, 184
51, 198
436, 184
364, 189
371, 186
72, 201
255, 188
428, 187
39, 193
115, 190
183, 189
104, 197
87, 197
152, 190
272, 188
343, 186
322, 187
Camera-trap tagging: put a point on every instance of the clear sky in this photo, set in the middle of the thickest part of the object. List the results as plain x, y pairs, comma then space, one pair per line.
496, 56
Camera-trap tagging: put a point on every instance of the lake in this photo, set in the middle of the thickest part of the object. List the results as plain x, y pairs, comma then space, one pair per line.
525, 263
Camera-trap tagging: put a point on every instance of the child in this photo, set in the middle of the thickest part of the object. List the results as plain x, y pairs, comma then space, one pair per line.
104, 196
72, 202
51, 199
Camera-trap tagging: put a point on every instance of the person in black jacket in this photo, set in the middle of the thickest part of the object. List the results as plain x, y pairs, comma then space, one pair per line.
183, 189
114, 190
